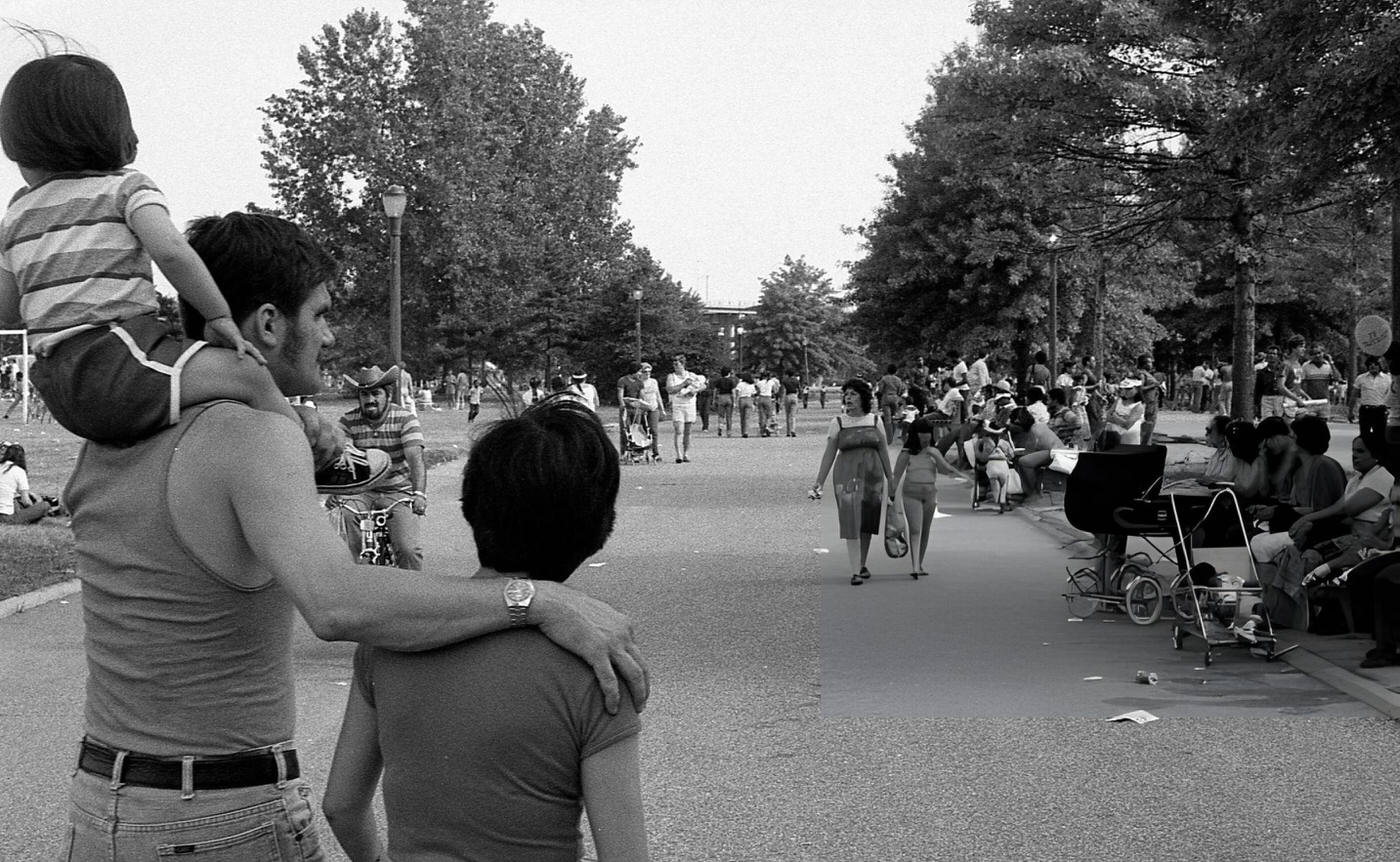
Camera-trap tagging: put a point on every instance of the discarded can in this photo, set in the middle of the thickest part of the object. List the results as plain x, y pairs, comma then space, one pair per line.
1146, 678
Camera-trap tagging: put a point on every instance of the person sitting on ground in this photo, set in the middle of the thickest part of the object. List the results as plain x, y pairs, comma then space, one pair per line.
503, 776
18, 505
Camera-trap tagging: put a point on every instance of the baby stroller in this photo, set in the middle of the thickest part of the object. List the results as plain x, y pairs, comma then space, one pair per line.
1218, 598
1113, 494
639, 442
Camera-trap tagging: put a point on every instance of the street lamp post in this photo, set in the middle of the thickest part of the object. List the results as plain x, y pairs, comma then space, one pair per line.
637, 298
395, 200
1053, 241
739, 331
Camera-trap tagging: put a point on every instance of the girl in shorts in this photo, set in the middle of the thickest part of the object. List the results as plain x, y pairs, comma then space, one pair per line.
918, 465
76, 247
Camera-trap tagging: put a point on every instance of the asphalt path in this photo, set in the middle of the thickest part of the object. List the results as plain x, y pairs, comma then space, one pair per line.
754, 749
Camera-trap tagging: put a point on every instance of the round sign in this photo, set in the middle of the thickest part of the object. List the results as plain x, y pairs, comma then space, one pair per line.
1373, 334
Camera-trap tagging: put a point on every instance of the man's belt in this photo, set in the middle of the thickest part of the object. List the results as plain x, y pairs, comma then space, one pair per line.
209, 773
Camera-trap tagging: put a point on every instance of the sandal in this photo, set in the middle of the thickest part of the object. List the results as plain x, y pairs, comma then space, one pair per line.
864, 572
856, 581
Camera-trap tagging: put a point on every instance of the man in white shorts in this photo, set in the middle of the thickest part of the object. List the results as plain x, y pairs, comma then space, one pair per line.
682, 387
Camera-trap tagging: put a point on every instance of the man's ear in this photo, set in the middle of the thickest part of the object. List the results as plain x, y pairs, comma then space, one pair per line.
265, 327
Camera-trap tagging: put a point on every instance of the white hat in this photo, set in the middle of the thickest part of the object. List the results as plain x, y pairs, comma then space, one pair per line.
1130, 383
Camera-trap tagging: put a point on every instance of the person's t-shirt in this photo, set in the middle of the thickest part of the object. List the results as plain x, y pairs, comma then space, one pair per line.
689, 387
651, 394
630, 385
483, 744
13, 480
1318, 483
725, 386
1378, 480
890, 387
745, 389
791, 386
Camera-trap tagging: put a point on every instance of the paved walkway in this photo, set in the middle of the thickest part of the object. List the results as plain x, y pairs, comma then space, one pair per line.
743, 761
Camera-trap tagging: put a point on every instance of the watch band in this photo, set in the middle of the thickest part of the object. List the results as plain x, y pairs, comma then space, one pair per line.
518, 615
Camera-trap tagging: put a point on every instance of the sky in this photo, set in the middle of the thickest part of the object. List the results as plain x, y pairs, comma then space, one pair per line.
765, 126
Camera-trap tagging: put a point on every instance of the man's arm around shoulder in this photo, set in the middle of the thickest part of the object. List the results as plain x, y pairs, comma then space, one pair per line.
246, 502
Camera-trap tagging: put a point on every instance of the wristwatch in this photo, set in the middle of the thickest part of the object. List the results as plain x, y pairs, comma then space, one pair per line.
519, 593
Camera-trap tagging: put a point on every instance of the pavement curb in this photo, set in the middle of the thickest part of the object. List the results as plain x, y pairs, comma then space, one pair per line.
1369, 692
21, 603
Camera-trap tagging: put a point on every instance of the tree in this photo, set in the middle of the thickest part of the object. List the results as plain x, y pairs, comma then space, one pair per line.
512, 234
799, 326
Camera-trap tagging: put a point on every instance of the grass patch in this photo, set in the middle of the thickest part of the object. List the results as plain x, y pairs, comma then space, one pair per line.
38, 555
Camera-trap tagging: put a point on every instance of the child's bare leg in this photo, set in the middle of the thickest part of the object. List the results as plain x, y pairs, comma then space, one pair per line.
213, 374
914, 515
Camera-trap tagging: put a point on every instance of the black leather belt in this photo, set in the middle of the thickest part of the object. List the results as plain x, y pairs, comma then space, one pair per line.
210, 773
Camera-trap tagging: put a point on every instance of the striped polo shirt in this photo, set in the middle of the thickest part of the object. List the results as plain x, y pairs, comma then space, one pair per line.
397, 429
67, 244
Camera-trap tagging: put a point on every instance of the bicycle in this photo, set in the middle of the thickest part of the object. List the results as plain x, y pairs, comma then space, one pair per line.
376, 549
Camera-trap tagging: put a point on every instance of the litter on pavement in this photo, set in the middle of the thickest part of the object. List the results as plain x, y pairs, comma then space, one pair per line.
1137, 716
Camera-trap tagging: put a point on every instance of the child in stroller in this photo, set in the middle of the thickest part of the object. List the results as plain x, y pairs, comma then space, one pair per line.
640, 446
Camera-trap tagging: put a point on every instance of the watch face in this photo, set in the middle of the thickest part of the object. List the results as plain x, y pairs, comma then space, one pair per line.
519, 591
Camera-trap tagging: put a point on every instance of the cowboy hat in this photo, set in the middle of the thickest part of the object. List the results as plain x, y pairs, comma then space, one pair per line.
373, 377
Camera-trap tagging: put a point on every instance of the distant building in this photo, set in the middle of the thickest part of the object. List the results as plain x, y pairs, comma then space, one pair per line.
727, 320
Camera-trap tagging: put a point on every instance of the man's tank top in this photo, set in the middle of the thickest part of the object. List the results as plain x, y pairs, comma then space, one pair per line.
181, 660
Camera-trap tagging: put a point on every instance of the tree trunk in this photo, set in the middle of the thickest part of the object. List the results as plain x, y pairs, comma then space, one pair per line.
1394, 266
1241, 224
1100, 291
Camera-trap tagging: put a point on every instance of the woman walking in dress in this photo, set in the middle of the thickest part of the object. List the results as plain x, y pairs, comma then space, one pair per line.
918, 465
855, 447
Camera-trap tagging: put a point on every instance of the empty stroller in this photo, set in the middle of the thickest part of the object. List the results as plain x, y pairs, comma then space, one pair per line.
639, 441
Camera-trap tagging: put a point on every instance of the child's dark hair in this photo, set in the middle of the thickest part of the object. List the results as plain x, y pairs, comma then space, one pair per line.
540, 490
66, 112
256, 259
917, 427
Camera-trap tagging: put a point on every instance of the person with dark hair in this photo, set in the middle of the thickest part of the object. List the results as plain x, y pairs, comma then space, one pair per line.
1372, 388
1280, 456
1066, 424
917, 466
1040, 374
724, 402
1247, 468
1151, 394
189, 597
629, 405
1034, 441
889, 395
857, 457
995, 454
18, 504
682, 386
1126, 416
507, 775
744, 392
108, 369
767, 387
791, 386
1317, 482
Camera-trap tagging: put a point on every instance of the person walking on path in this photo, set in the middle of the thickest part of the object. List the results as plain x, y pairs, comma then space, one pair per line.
915, 486
474, 393
724, 402
505, 776
629, 405
767, 389
460, 384
682, 386
188, 599
792, 385
995, 454
858, 458
744, 392
889, 393
651, 406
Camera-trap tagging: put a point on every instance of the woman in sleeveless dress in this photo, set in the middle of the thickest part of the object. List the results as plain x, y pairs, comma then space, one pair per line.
855, 448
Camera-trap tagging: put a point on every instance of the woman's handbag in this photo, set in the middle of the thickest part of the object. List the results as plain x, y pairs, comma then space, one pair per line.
896, 533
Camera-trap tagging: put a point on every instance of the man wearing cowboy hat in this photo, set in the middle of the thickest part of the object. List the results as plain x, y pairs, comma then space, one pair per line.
379, 423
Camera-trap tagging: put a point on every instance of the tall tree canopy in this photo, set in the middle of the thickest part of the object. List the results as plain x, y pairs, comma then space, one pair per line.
512, 240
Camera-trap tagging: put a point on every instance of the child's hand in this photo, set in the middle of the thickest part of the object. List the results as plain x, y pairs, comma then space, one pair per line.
222, 332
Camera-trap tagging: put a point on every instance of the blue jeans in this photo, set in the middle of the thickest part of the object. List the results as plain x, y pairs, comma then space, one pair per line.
267, 823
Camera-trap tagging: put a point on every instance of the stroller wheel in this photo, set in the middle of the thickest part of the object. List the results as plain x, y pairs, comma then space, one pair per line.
1143, 600
1080, 597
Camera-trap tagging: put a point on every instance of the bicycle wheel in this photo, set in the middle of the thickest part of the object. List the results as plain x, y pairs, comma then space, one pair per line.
1143, 600
1083, 584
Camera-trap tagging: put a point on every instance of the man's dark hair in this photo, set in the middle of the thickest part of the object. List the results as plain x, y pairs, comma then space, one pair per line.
1272, 426
917, 427
1243, 439
1041, 358
540, 490
1312, 434
723, 370
891, 368
67, 112
953, 354
256, 259
860, 388
1058, 396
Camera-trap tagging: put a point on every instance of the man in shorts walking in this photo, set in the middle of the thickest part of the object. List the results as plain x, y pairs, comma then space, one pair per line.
682, 386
